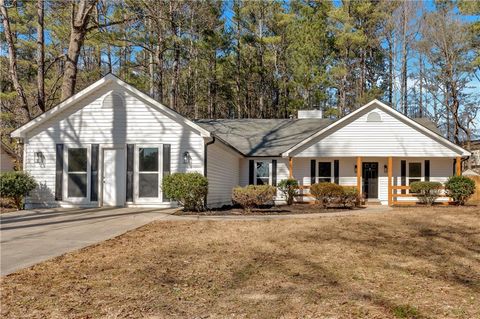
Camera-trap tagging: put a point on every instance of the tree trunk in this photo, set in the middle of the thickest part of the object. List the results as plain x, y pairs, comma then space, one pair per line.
404, 88
420, 101
40, 57
78, 30
176, 58
12, 60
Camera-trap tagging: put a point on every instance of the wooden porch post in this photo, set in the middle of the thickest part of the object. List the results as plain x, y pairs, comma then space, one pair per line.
359, 174
459, 165
390, 173
290, 167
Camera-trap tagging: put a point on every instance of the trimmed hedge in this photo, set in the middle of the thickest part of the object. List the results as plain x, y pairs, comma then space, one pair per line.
188, 189
15, 185
460, 188
328, 194
428, 192
253, 195
289, 188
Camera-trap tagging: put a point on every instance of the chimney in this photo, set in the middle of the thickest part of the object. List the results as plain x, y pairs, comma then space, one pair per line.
309, 114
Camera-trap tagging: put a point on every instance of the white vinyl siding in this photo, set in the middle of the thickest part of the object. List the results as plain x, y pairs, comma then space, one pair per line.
90, 122
223, 173
389, 137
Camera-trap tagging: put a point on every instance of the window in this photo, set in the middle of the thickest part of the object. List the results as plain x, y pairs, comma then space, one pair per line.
324, 172
148, 172
414, 172
77, 172
262, 173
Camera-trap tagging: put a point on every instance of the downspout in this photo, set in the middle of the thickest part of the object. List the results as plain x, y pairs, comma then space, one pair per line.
205, 162
205, 149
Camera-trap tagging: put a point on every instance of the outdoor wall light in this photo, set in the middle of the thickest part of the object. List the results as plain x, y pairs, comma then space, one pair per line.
385, 168
355, 169
186, 157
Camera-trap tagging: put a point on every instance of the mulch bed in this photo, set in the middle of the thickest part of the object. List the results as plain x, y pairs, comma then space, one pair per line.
268, 210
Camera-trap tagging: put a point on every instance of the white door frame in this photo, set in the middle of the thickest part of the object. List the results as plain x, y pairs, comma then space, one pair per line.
102, 167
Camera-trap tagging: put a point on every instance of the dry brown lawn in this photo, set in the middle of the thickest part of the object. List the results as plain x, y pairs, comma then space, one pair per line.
407, 263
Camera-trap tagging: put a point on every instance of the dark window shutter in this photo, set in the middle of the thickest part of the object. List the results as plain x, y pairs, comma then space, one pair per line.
94, 173
403, 174
336, 171
274, 172
427, 170
313, 173
130, 154
454, 171
166, 165
59, 172
251, 171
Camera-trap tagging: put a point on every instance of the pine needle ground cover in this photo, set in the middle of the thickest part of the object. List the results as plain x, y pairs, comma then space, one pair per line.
406, 263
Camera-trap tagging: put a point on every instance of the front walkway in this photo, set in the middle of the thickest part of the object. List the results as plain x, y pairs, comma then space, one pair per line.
29, 237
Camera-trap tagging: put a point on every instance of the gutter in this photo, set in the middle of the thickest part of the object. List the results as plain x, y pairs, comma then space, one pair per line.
205, 150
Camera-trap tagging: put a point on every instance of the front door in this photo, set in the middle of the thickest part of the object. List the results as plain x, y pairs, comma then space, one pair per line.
370, 179
114, 177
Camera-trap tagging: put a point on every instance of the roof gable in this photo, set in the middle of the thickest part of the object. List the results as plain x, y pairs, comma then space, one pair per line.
331, 129
91, 89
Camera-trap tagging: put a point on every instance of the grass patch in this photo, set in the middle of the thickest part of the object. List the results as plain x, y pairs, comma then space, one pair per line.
404, 263
405, 311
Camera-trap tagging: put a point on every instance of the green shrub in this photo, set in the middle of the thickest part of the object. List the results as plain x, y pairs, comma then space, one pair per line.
288, 187
326, 193
188, 189
428, 192
350, 196
460, 188
15, 185
253, 195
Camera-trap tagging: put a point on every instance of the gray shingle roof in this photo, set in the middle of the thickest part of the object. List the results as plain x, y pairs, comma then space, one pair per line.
272, 137
427, 123
263, 137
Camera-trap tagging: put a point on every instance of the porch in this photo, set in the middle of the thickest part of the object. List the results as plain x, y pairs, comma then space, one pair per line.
379, 179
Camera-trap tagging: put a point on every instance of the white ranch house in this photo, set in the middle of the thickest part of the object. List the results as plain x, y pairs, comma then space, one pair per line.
111, 145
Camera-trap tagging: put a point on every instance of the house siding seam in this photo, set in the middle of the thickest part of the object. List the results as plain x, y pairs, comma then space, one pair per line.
223, 174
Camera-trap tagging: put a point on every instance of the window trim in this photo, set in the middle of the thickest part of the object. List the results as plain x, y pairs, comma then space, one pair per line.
136, 174
332, 173
269, 162
66, 198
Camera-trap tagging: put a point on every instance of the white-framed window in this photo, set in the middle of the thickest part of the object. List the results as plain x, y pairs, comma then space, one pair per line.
414, 172
77, 172
148, 172
262, 172
324, 172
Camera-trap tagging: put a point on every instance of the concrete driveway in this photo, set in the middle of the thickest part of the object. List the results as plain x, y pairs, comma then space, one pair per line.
29, 237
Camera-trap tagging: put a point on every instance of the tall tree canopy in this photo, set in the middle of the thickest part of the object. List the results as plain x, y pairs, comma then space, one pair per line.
255, 59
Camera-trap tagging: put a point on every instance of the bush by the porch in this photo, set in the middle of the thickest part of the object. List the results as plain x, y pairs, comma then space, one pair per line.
326, 193
253, 195
289, 188
428, 192
460, 188
330, 194
350, 196
15, 185
188, 189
